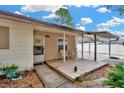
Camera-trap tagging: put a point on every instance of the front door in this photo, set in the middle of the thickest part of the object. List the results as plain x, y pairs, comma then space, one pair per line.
39, 43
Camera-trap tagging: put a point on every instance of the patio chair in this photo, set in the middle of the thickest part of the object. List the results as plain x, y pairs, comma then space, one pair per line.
60, 54
70, 54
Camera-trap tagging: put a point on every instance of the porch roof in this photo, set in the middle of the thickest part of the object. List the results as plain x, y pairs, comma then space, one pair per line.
103, 34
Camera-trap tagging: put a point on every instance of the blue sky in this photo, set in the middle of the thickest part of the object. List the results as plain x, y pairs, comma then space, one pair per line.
85, 17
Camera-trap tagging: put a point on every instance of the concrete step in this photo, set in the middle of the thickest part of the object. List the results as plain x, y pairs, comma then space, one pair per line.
50, 78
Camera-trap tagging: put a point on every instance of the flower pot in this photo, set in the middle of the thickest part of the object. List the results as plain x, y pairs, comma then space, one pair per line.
9, 73
16, 77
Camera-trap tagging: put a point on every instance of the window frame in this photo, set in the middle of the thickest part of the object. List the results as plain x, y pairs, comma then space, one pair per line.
8, 37
61, 44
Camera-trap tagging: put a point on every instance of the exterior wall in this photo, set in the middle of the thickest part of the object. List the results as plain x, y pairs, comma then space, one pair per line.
20, 50
51, 47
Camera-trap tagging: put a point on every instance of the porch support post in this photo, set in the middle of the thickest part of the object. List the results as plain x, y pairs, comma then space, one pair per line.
82, 46
64, 47
89, 46
109, 48
95, 48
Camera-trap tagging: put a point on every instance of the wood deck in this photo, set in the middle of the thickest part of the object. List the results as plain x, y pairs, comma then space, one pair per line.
67, 68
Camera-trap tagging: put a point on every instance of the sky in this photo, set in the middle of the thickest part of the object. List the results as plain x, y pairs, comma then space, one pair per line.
85, 17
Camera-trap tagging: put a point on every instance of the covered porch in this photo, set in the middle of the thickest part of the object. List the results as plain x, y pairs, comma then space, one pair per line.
54, 43
80, 66
70, 67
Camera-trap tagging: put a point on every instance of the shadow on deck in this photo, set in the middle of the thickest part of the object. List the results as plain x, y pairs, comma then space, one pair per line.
67, 68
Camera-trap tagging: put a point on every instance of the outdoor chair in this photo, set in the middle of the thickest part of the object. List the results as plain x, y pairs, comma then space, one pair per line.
68, 54
60, 54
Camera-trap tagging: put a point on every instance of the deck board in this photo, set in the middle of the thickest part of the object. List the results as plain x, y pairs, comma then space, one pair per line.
67, 68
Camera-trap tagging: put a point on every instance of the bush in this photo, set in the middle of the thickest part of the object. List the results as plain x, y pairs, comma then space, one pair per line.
115, 78
12, 67
80, 79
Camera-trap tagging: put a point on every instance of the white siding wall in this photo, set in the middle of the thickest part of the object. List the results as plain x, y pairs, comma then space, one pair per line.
20, 50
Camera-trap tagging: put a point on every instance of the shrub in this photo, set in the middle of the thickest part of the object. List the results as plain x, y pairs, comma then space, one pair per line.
80, 79
115, 78
12, 67
2, 73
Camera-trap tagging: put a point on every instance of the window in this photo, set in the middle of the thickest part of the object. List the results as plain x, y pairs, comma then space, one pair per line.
60, 44
38, 50
4, 37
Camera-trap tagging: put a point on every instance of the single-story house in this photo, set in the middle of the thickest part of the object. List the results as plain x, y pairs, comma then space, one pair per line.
25, 41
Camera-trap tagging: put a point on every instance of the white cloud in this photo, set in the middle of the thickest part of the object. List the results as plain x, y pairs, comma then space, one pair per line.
77, 24
86, 20
28, 15
50, 16
110, 23
119, 33
93, 6
77, 5
103, 10
104, 29
81, 28
64, 7
37, 8
17, 12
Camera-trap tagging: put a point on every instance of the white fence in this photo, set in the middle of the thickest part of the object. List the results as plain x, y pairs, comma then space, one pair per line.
116, 49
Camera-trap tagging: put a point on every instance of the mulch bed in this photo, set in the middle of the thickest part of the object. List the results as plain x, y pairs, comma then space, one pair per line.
29, 80
94, 78
99, 73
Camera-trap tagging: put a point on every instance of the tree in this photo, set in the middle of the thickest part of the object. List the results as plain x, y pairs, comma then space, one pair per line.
117, 8
63, 17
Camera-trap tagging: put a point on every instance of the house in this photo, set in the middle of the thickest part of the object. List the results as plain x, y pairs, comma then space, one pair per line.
26, 41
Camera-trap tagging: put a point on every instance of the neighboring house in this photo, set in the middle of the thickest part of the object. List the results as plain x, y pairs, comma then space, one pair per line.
25, 41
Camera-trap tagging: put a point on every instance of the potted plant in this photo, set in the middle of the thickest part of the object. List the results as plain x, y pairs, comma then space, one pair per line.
9, 70
16, 76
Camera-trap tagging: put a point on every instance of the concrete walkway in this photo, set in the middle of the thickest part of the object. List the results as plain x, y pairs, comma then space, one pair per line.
50, 78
